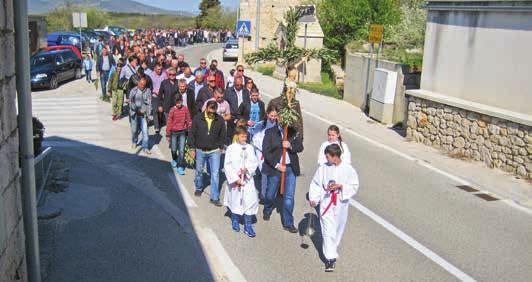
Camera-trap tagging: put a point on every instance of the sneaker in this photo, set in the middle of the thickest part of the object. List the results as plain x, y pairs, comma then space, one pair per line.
197, 193
147, 151
291, 229
180, 171
174, 164
329, 266
216, 203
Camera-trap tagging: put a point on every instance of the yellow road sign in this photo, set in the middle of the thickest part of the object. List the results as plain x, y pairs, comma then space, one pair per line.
376, 31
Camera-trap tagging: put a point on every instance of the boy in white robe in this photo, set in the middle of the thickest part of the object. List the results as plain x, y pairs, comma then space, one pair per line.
240, 194
332, 186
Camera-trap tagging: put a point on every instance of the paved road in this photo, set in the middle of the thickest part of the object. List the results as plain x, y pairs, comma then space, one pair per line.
406, 223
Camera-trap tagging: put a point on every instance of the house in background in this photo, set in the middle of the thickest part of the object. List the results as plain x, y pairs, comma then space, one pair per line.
475, 100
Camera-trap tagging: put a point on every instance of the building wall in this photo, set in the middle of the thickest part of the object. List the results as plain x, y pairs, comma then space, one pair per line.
481, 56
356, 66
12, 259
271, 14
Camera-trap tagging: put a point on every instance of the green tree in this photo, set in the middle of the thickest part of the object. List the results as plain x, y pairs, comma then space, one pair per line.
206, 7
60, 19
344, 21
219, 17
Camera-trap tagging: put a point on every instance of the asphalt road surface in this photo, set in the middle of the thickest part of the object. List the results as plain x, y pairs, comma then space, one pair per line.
406, 223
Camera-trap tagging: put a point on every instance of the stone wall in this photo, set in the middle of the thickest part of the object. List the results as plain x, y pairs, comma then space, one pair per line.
465, 134
12, 259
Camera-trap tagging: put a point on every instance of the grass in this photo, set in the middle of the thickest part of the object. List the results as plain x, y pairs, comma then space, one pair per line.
266, 69
326, 87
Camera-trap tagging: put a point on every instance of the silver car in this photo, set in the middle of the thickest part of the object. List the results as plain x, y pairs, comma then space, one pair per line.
231, 50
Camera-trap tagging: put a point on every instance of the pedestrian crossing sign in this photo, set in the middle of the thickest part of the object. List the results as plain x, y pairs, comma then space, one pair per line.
243, 28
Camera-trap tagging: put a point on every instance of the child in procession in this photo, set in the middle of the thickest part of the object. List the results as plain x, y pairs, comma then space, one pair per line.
240, 194
177, 125
333, 185
87, 65
334, 137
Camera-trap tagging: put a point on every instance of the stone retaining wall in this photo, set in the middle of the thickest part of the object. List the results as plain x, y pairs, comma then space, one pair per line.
465, 134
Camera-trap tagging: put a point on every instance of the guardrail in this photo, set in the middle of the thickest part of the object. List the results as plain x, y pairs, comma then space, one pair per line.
43, 163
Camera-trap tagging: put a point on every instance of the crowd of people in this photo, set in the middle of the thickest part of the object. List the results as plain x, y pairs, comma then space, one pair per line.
218, 123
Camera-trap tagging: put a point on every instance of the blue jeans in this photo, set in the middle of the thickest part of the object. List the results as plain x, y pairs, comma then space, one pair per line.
213, 161
104, 76
177, 146
273, 182
139, 123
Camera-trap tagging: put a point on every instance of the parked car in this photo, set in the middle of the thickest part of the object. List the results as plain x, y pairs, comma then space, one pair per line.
115, 30
61, 47
106, 35
67, 38
49, 68
231, 50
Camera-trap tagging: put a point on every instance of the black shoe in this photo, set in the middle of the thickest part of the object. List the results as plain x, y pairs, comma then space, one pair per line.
216, 203
197, 193
266, 217
329, 266
291, 229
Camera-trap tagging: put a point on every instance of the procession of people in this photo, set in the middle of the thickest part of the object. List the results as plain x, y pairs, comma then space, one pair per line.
218, 124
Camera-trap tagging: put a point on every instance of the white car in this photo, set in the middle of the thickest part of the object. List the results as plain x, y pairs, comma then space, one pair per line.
231, 50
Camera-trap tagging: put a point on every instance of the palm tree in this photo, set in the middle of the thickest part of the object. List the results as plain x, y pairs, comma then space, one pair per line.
290, 57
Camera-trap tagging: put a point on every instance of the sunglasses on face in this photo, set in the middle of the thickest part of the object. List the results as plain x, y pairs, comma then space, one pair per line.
240, 70
171, 74
203, 63
212, 80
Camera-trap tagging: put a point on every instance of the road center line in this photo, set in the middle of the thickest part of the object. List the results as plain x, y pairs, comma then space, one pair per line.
412, 242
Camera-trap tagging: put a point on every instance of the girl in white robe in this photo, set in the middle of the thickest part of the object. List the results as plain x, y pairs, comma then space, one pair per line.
240, 194
332, 186
334, 137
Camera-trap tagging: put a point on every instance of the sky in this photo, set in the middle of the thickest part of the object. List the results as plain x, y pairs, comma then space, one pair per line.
183, 5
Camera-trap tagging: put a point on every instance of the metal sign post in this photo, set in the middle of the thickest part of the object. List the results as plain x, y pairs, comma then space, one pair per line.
79, 20
376, 32
243, 30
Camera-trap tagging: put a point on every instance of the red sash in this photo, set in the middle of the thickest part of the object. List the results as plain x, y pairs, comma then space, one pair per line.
334, 198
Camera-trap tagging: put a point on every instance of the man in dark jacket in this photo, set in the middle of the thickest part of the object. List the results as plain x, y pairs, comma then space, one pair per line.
206, 140
235, 96
272, 149
277, 102
206, 93
103, 66
166, 96
252, 111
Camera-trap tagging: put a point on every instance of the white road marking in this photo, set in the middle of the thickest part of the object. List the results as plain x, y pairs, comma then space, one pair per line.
413, 243
217, 257
180, 188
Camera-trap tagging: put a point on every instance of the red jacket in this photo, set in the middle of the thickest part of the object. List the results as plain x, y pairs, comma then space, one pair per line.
178, 119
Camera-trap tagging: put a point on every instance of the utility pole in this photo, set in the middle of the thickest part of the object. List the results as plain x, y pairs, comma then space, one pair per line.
257, 30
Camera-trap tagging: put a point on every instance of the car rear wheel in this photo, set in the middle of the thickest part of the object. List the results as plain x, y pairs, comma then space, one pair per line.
53, 82
77, 74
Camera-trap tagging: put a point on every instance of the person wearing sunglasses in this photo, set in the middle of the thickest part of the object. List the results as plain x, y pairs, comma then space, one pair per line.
206, 93
218, 74
167, 91
203, 66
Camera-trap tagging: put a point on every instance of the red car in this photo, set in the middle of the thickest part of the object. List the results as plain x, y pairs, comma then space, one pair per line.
59, 47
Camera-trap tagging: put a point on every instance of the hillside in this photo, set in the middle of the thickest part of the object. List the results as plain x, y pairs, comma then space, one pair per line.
122, 6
